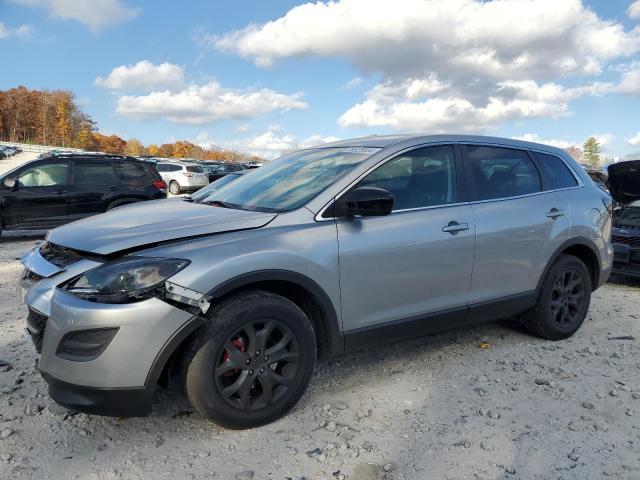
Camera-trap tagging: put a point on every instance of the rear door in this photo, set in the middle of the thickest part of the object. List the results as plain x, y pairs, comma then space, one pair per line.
39, 199
519, 225
92, 189
410, 269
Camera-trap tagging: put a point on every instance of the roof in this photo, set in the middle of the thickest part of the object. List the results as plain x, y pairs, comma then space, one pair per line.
382, 141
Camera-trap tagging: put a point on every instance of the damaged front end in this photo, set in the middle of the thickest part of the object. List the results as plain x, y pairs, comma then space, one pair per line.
624, 181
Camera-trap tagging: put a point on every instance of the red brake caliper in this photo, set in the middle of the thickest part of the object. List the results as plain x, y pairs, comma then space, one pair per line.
239, 344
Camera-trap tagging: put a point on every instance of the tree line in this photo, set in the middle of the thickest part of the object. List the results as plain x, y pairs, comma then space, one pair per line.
53, 117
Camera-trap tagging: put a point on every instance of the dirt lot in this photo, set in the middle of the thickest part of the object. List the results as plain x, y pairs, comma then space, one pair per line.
440, 407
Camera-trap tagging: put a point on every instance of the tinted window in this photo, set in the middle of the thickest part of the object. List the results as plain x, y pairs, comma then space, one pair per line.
44, 175
162, 167
93, 173
555, 174
194, 169
420, 178
501, 172
174, 168
129, 170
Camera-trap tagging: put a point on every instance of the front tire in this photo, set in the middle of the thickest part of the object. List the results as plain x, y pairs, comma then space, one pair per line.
252, 362
563, 300
174, 187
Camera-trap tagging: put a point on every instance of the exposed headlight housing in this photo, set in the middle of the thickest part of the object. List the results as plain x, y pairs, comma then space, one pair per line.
126, 280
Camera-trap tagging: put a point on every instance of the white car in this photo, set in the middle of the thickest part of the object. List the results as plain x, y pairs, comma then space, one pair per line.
183, 177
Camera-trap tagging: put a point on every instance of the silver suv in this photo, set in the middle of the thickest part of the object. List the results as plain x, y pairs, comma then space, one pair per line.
321, 252
183, 177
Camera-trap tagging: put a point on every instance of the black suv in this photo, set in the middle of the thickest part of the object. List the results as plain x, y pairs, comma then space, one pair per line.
54, 190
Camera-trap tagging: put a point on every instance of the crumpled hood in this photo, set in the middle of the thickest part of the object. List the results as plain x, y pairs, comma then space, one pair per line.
624, 181
151, 222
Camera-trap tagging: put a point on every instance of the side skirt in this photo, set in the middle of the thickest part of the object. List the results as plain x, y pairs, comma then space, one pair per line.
438, 322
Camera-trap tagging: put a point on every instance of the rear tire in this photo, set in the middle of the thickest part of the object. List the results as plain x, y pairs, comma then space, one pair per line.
563, 300
174, 188
252, 361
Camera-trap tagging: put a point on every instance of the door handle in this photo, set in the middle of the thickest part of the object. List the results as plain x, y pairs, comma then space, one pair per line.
555, 213
454, 227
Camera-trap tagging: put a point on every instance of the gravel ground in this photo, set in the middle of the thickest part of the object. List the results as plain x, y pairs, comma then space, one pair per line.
487, 402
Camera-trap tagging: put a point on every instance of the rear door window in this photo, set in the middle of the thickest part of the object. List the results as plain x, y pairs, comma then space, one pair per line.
498, 172
93, 173
555, 173
130, 171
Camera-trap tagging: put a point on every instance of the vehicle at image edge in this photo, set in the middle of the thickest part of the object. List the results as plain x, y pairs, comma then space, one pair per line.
318, 253
182, 176
624, 185
215, 186
51, 191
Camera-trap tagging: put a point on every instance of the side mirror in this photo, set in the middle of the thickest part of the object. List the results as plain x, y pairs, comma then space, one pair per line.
365, 202
10, 182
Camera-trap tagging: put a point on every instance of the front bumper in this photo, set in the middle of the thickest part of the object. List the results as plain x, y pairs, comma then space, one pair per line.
115, 402
626, 260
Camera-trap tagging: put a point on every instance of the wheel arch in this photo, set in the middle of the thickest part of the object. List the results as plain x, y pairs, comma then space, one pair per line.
582, 248
298, 288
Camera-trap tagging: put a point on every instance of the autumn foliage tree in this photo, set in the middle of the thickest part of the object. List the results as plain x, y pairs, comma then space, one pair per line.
52, 117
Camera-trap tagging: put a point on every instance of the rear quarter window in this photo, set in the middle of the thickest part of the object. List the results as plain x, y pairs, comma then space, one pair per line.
555, 173
130, 171
194, 169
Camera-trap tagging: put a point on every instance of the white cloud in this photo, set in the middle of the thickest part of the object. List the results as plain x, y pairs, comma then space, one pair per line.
21, 31
270, 144
634, 10
207, 103
554, 142
402, 105
144, 76
507, 39
635, 140
630, 80
353, 83
95, 14
603, 138
464, 65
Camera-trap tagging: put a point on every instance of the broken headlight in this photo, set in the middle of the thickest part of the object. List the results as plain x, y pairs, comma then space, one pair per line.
126, 280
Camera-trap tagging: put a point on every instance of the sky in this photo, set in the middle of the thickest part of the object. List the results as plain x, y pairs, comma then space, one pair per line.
268, 76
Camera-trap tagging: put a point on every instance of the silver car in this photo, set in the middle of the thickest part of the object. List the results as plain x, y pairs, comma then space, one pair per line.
183, 177
318, 253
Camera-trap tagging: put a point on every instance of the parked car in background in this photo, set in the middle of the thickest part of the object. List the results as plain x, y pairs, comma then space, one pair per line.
322, 251
210, 168
624, 185
226, 168
215, 186
182, 177
52, 191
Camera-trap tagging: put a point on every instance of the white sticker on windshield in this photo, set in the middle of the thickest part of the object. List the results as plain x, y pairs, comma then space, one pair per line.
365, 150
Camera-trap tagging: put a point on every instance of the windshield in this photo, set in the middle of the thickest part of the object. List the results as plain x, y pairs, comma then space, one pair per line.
213, 186
291, 181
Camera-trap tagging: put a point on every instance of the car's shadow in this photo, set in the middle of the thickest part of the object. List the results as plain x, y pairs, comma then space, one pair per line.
22, 236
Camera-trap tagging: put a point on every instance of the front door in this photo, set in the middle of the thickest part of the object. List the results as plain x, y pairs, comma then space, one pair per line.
39, 199
410, 269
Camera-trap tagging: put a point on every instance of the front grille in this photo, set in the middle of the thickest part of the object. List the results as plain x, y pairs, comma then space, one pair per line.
36, 325
631, 241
